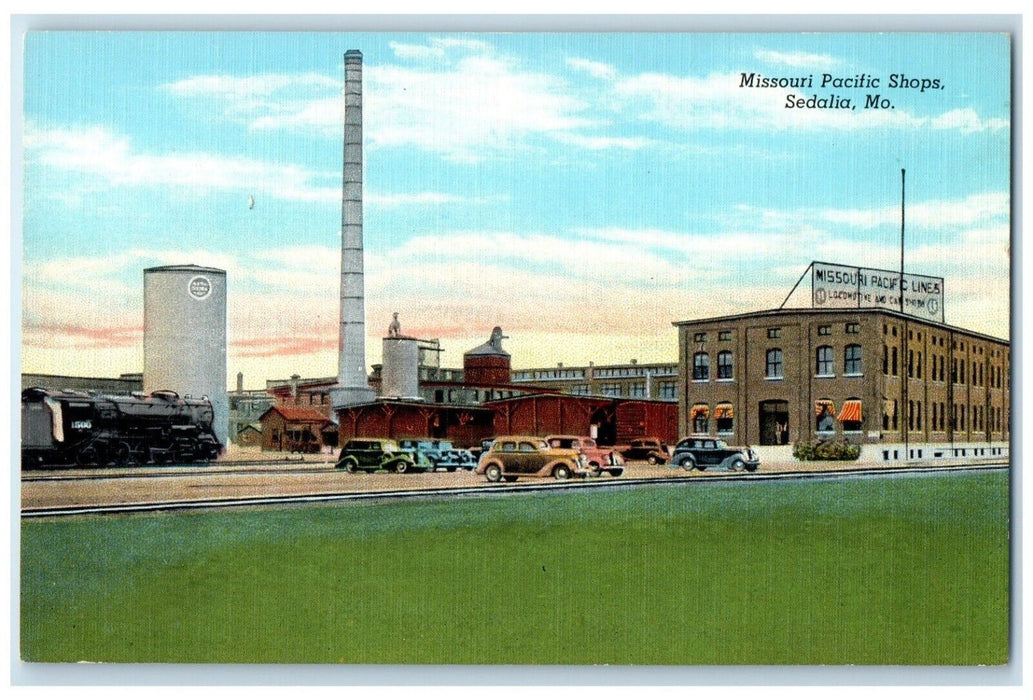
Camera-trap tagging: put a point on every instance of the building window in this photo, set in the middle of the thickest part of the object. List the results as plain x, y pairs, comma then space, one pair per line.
773, 365
724, 417
724, 365
700, 338
774, 333
612, 389
823, 364
893, 361
850, 416
700, 418
824, 416
668, 390
724, 335
638, 390
852, 359
824, 330
700, 367
885, 360
853, 328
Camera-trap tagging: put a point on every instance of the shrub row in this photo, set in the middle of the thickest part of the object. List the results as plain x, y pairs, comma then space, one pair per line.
826, 449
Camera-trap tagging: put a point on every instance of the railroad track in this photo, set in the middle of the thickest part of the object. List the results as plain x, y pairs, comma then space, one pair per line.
499, 490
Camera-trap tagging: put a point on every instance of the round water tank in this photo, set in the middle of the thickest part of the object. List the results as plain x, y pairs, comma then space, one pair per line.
184, 335
400, 375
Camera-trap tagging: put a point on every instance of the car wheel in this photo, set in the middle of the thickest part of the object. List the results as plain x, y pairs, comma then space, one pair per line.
738, 465
510, 478
401, 466
351, 466
652, 459
494, 473
688, 464
451, 469
751, 467
562, 472
616, 472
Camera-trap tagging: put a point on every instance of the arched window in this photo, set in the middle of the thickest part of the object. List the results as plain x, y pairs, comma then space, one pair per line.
700, 418
852, 359
724, 365
701, 366
773, 365
724, 418
823, 362
824, 416
851, 415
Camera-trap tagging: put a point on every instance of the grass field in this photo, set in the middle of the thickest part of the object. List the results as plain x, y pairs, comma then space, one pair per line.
907, 570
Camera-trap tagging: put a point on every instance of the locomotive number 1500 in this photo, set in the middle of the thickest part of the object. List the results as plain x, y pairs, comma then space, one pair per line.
81, 425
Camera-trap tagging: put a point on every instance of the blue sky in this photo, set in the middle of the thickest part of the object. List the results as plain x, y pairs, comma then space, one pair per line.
582, 191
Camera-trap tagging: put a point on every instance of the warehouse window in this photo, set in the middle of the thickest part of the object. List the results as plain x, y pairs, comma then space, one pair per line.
893, 361
668, 390
724, 335
773, 365
700, 367
850, 416
853, 328
700, 337
638, 390
824, 416
724, 365
774, 332
724, 417
824, 330
852, 360
700, 418
823, 362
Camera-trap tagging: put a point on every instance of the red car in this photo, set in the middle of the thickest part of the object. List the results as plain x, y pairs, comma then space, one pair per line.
599, 459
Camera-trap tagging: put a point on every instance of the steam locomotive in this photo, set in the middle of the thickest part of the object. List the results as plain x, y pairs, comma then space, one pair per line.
61, 428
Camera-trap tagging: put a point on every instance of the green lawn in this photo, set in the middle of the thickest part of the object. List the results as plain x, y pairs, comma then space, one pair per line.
908, 570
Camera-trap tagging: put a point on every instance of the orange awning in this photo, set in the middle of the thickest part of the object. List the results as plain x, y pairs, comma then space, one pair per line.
822, 404
723, 412
851, 411
698, 411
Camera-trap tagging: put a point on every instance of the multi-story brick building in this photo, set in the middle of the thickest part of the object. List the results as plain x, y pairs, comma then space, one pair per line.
864, 375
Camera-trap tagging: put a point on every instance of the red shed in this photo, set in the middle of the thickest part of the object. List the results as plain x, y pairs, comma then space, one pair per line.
388, 418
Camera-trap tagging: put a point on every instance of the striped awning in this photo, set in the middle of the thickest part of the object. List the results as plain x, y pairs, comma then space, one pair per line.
724, 411
851, 411
824, 405
700, 412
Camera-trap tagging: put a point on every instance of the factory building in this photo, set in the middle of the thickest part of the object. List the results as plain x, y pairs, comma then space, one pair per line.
184, 336
633, 380
865, 375
124, 384
246, 407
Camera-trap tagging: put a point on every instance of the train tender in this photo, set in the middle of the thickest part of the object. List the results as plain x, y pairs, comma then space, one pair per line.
61, 428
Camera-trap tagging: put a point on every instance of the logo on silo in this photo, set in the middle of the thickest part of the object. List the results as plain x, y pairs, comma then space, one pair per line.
199, 287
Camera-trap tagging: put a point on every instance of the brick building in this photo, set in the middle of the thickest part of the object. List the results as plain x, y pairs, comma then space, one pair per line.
865, 375
296, 429
632, 380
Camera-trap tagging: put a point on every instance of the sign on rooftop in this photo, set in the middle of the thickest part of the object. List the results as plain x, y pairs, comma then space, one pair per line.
843, 286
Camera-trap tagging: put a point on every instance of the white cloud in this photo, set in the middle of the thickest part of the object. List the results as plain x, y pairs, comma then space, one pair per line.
238, 87
596, 69
113, 159
967, 121
797, 59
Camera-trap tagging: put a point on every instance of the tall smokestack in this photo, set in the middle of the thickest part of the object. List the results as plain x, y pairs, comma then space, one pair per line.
351, 359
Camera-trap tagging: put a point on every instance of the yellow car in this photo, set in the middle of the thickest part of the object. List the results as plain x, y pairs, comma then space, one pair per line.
513, 456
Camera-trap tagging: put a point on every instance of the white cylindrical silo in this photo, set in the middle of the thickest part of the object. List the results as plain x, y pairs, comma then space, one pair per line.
400, 374
184, 335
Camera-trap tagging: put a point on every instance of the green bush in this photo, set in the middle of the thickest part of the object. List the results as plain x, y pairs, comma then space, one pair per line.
826, 450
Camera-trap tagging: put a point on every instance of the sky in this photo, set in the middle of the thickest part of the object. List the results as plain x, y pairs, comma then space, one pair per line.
582, 191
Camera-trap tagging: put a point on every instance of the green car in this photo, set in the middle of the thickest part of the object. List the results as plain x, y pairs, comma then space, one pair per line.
371, 455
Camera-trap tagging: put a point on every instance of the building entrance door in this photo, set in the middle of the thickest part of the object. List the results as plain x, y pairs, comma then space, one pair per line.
774, 422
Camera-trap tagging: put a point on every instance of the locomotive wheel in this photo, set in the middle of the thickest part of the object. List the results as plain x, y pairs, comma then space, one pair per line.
88, 457
122, 455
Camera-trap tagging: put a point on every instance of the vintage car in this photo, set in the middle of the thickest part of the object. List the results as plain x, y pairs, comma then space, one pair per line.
369, 455
441, 454
599, 459
652, 450
512, 456
704, 453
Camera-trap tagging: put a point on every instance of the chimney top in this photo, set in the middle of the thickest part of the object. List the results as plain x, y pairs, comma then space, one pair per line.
353, 52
